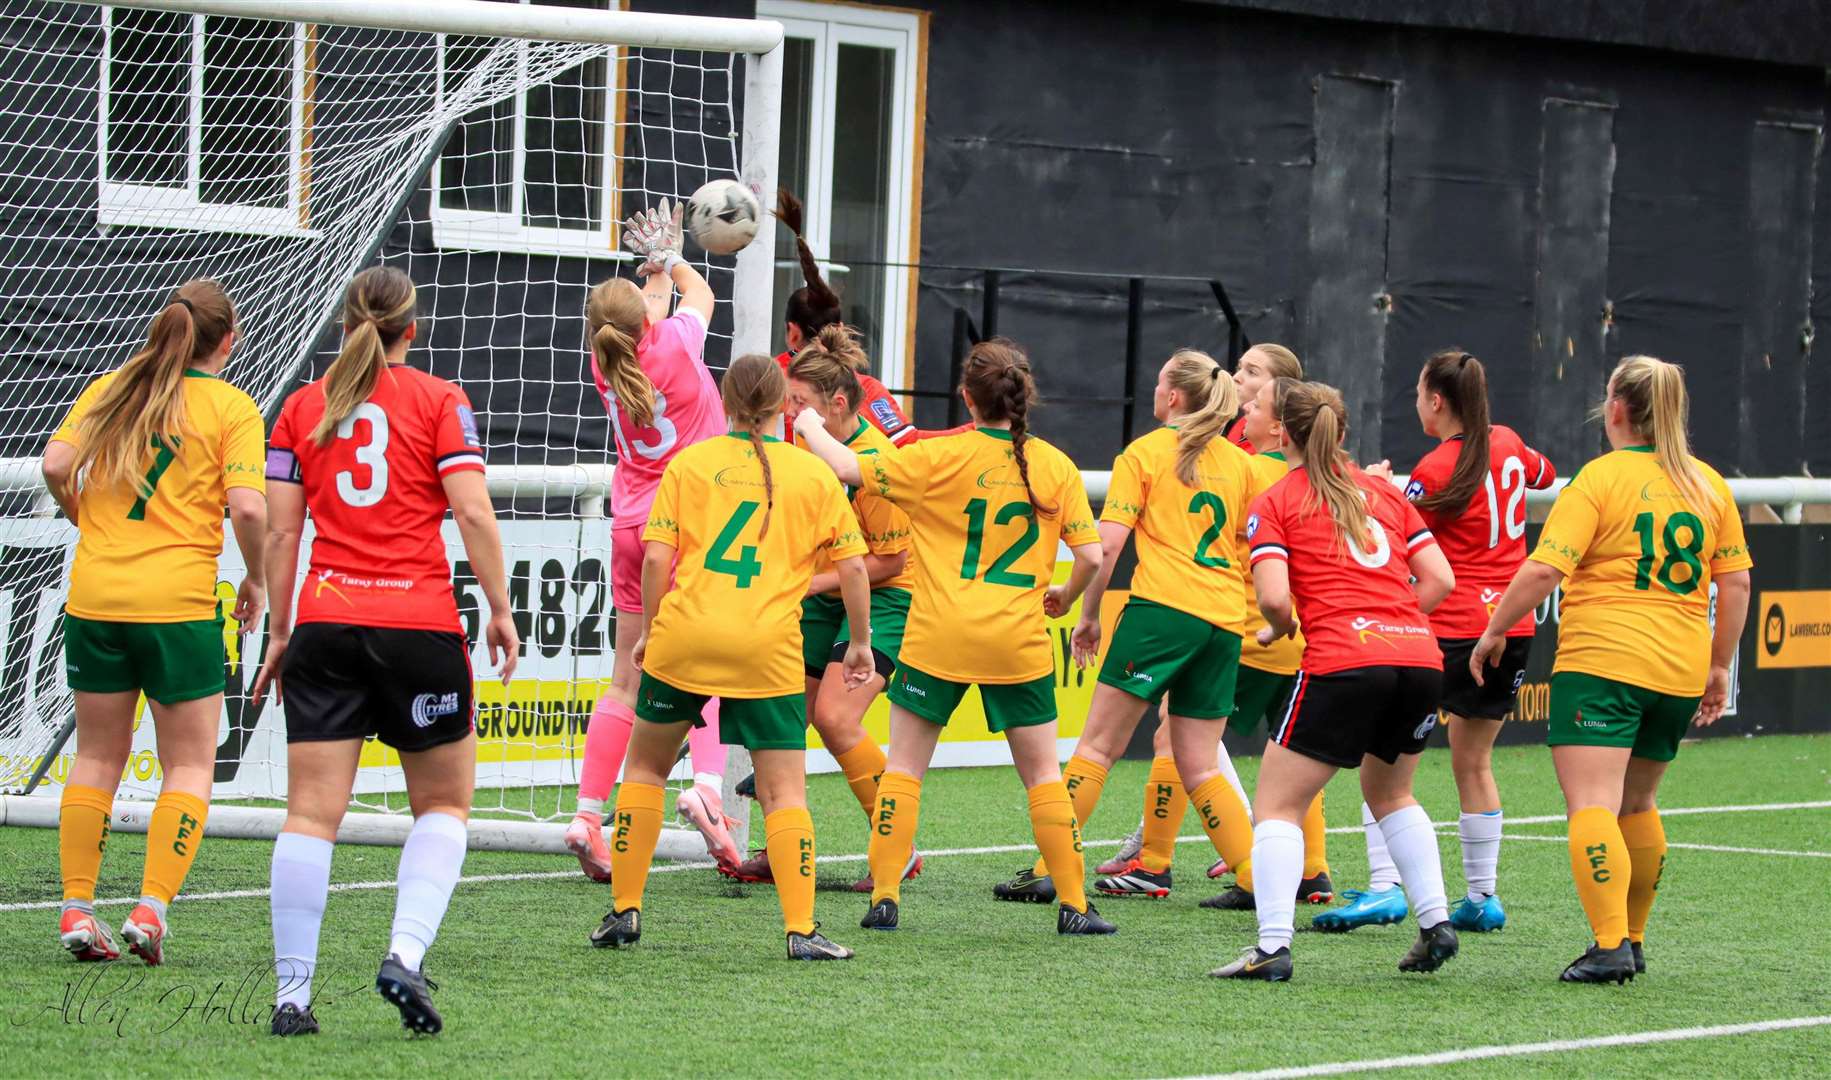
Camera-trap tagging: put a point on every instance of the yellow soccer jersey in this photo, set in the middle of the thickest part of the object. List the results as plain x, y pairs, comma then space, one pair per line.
1284, 656
731, 625
885, 526
153, 560
982, 555
1638, 560
1189, 557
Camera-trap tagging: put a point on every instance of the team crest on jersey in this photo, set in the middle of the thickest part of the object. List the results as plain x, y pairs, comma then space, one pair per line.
1252, 526
1414, 490
887, 420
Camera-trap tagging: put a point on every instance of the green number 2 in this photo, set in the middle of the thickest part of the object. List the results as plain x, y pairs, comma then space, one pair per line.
999, 573
1686, 554
745, 567
162, 460
1208, 500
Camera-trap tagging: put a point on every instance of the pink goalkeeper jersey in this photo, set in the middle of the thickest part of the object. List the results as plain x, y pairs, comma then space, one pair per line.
687, 410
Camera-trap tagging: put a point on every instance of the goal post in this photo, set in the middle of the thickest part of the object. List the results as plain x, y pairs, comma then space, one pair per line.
490, 150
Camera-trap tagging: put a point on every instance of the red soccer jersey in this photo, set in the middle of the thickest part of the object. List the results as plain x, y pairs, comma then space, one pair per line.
1357, 608
376, 499
1235, 431
1485, 543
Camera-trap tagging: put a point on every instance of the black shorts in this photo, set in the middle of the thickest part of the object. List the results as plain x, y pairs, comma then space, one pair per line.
1340, 717
1494, 699
409, 688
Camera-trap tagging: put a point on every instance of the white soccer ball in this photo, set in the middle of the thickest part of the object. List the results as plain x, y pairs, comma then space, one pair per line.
723, 216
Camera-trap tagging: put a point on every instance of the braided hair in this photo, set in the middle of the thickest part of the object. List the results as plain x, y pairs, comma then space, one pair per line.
997, 377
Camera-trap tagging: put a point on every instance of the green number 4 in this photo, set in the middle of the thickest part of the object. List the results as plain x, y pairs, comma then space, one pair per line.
162, 460
1686, 554
999, 573
1208, 500
745, 567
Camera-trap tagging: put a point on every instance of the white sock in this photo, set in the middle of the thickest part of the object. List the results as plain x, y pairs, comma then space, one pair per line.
1480, 852
1277, 868
1413, 844
301, 881
591, 808
708, 782
431, 861
1381, 873
1225, 760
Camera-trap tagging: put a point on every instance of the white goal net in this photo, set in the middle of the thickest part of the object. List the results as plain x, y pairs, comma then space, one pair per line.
148, 144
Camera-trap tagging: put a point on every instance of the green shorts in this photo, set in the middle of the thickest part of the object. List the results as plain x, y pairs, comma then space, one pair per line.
1588, 710
1259, 694
822, 618
771, 723
1007, 705
1158, 650
889, 615
170, 662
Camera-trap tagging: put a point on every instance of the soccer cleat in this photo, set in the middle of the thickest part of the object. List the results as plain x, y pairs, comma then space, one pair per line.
1218, 868
1134, 880
1234, 899
747, 787
289, 1019
145, 934
1380, 908
1253, 964
700, 806
882, 916
1027, 887
411, 993
1600, 965
585, 839
1316, 890
815, 946
1432, 949
752, 871
87, 937
1129, 849
1640, 958
910, 869
1480, 917
1082, 923
618, 929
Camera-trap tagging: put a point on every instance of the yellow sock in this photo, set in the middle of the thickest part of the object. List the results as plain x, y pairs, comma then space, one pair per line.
1084, 781
893, 828
1164, 804
1602, 868
82, 834
635, 830
1058, 837
1315, 840
863, 764
1229, 827
173, 835
790, 844
1645, 837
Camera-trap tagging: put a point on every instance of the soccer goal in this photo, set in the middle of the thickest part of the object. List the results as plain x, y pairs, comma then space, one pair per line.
489, 150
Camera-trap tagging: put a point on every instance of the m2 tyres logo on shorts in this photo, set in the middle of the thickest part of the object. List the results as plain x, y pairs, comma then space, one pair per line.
429, 709
1386, 633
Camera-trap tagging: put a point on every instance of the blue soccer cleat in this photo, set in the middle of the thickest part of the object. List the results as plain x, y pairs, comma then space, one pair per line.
1364, 909
1480, 918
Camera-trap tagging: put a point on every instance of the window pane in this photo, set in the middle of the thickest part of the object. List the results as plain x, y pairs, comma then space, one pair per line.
792, 157
476, 166
149, 78
244, 154
862, 97
565, 159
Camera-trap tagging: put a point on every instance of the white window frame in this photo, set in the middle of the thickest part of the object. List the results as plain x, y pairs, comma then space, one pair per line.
828, 26
504, 231
154, 206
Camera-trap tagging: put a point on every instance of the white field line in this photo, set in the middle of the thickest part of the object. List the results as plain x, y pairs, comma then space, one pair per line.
1559, 819
1696, 847
1000, 849
1557, 1046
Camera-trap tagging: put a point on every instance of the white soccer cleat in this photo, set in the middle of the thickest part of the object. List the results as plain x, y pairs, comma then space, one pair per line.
701, 807
585, 838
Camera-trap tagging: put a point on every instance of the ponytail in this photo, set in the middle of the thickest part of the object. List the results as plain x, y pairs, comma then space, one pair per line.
815, 305
377, 311
142, 408
997, 377
1212, 398
1658, 410
753, 390
1315, 418
1463, 384
614, 311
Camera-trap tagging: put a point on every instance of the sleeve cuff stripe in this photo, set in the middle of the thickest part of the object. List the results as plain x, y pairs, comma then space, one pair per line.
460, 461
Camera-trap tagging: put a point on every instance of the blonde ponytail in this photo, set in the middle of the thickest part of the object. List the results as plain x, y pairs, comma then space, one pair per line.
1315, 418
1213, 400
378, 308
1659, 410
614, 312
753, 390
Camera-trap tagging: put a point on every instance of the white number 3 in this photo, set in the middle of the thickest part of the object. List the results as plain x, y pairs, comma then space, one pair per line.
373, 454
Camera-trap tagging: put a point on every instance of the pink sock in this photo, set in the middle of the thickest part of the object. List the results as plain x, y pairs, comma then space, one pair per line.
703, 747
606, 741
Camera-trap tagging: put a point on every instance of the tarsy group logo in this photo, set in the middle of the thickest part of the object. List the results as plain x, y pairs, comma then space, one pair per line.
1252, 526
1414, 490
1490, 599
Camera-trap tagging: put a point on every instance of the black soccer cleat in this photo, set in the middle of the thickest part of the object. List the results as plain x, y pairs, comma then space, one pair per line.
411, 993
289, 1019
1640, 958
1254, 964
815, 946
1600, 965
1234, 899
1432, 949
1026, 887
747, 787
882, 916
1082, 923
1134, 880
1316, 890
618, 929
